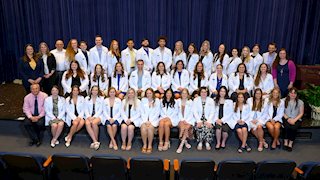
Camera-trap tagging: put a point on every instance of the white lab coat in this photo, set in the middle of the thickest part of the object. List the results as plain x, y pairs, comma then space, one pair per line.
182, 56
98, 107
66, 83
225, 62
250, 66
158, 81
257, 61
194, 82
267, 60
227, 111
234, 82
213, 80
192, 62
126, 59
266, 85
116, 110
147, 58
208, 62
245, 116
232, 65
94, 58
152, 113
260, 115
81, 58
182, 82
102, 85
188, 112
280, 111
170, 112
146, 80
209, 109
123, 84
135, 113
166, 58
81, 107
48, 107
112, 60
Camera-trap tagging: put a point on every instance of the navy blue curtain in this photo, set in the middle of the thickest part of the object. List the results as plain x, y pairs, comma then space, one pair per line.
294, 25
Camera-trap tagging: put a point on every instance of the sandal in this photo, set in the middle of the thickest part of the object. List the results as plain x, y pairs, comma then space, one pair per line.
144, 150
149, 150
160, 146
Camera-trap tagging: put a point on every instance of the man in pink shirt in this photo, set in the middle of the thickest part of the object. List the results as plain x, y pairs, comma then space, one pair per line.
33, 108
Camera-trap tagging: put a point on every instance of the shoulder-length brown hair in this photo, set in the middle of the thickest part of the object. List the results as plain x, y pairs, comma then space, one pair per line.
80, 72
47, 52
277, 60
258, 77
278, 100
195, 71
114, 52
286, 102
115, 70
25, 57
257, 106
101, 75
237, 102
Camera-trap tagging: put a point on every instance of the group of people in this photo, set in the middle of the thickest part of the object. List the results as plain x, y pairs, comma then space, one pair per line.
203, 94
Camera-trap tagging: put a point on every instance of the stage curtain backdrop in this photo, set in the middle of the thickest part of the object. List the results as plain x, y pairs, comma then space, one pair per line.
293, 24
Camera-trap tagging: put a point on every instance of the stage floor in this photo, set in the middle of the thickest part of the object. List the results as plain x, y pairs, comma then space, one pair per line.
13, 139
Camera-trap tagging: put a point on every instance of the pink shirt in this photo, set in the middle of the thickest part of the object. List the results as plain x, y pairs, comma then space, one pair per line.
292, 71
28, 104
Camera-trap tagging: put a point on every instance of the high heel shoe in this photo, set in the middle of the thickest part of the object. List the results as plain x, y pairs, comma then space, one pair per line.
188, 146
160, 146
260, 148
179, 150
166, 146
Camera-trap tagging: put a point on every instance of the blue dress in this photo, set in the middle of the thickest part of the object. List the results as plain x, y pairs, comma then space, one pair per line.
283, 79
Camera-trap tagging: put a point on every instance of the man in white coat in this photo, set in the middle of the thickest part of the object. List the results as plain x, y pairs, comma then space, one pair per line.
162, 54
140, 79
145, 53
98, 55
83, 57
128, 57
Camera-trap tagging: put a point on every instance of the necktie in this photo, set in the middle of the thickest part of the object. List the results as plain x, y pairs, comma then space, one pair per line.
36, 111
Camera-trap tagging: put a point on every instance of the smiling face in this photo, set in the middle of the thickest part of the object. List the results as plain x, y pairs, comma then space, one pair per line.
255, 49
35, 89
271, 48
184, 94
140, 65
149, 94
283, 54
222, 93
130, 44
118, 67
95, 91
221, 48
203, 93
234, 52
180, 65
54, 91
263, 68
258, 94
168, 95
190, 49
43, 48
131, 94
241, 68
98, 69
59, 45
219, 69
29, 50
240, 98
162, 42
275, 94
74, 44
161, 67
74, 66
112, 93
98, 41
245, 52
199, 67
293, 94
83, 46
75, 91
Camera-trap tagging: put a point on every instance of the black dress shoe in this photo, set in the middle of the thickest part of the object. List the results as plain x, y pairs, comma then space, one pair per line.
223, 147
217, 148
272, 148
38, 143
289, 149
285, 148
31, 143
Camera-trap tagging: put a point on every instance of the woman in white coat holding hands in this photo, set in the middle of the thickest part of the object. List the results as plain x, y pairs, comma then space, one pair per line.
206, 56
93, 113
186, 119
203, 111
192, 57
217, 80
264, 80
258, 117
119, 80
99, 78
161, 80
240, 82
75, 108
168, 119
131, 118
180, 79
112, 116
150, 112
55, 110
198, 78
241, 119
223, 113
275, 112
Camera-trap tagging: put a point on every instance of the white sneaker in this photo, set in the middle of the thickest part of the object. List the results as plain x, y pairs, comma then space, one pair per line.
208, 147
199, 147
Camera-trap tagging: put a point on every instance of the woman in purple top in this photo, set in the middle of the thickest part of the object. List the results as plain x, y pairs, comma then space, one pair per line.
283, 72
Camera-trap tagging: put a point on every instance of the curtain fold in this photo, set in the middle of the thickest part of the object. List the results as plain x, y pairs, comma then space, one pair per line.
294, 25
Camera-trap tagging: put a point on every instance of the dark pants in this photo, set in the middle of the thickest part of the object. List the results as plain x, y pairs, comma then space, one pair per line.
34, 129
290, 131
48, 83
234, 96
